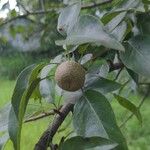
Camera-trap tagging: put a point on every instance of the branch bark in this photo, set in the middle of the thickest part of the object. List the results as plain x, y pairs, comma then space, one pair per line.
42, 115
46, 139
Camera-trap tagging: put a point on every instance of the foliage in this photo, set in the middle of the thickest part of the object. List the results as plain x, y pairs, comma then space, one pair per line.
114, 49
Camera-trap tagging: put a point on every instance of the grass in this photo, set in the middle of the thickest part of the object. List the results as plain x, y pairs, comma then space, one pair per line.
137, 136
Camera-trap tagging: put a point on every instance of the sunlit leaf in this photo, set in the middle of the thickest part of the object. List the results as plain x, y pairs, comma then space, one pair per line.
129, 105
88, 29
3, 139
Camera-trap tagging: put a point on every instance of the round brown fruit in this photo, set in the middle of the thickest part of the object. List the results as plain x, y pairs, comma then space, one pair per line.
70, 76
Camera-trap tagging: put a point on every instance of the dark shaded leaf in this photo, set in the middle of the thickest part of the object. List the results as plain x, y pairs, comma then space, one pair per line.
133, 75
80, 143
143, 23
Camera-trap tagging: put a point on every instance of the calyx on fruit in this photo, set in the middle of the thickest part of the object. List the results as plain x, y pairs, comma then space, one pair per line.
70, 76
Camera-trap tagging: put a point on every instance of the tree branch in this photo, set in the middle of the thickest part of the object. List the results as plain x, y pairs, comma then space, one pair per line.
26, 15
46, 139
22, 6
41, 12
139, 106
42, 115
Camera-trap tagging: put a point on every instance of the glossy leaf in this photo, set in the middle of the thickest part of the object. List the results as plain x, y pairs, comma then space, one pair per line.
104, 70
68, 17
86, 58
130, 106
101, 84
93, 116
137, 55
80, 143
88, 29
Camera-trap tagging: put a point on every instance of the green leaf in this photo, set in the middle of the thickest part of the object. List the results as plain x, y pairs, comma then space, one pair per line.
130, 4
68, 17
86, 58
101, 85
130, 106
34, 75
80, 143
115, 21
20, 98
3, 140
120, 31
72, 96
116, 25
95, 66
109, 16
4, 115
70, 2
146, 2
93, 116
47, 86
89, 29
13, 13
137, 55
133, 75
143, 23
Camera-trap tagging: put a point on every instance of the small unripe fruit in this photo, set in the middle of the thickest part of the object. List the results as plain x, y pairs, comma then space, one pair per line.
70, 76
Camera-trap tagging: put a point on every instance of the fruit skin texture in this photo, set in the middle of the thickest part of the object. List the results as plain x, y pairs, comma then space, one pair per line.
70, 76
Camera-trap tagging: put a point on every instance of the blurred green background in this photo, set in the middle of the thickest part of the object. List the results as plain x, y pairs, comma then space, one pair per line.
137, 136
